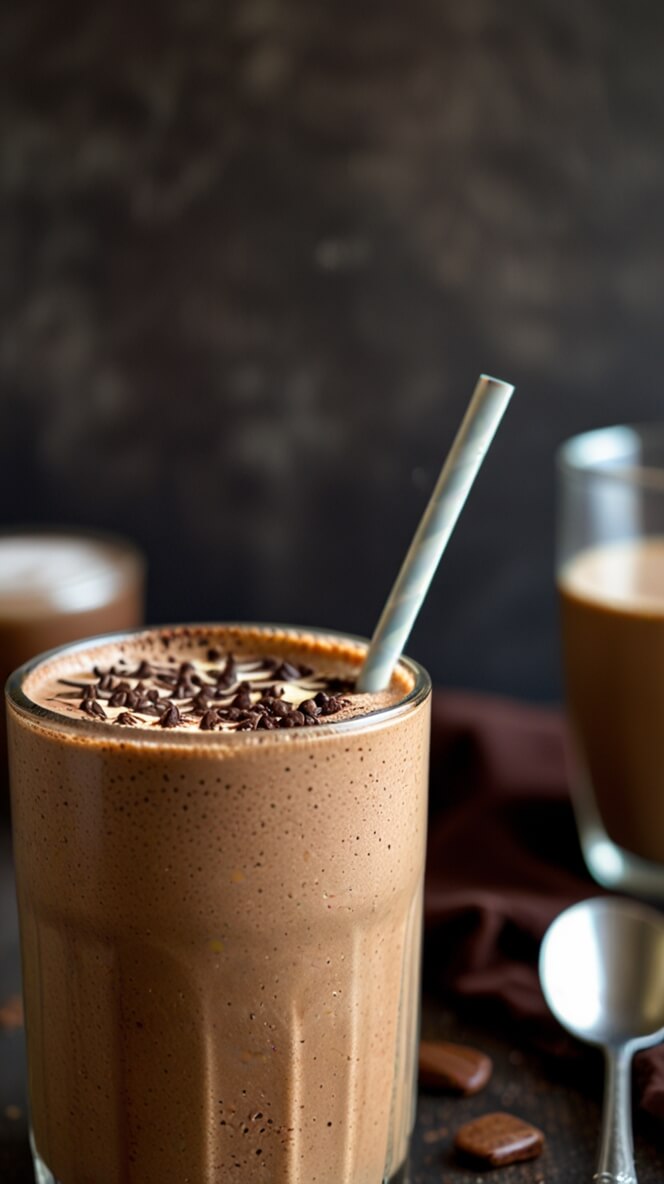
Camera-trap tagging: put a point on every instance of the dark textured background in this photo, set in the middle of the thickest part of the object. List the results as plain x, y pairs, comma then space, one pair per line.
253, 254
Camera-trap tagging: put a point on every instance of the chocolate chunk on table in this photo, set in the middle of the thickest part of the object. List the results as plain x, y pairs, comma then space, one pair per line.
497, 1139
456, 1067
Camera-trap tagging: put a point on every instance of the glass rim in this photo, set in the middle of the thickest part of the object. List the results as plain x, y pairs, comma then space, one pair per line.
121, 542
596, 454
125, 564
140, 737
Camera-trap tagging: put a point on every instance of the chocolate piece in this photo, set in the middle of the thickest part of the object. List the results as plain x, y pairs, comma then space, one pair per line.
171, 717
127, 719
453, 1066
243, 697
498, 1139
143, 670
310, 707
209, 720
93, 707
332, 704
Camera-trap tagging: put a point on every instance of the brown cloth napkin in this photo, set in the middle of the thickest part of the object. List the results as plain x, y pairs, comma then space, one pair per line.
503, 860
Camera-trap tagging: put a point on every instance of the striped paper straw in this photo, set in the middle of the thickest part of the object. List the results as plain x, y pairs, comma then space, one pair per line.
478, 427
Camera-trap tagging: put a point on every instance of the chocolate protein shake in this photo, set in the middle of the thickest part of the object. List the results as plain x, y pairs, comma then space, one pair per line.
612, 612
56, 586
220, 852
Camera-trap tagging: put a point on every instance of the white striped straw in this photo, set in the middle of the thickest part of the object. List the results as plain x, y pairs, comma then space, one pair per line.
478, 427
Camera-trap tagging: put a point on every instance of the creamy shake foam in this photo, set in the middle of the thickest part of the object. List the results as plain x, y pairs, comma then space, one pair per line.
229, 680
65, 572
221, 929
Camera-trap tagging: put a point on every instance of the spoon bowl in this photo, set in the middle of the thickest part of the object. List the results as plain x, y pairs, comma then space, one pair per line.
602, 974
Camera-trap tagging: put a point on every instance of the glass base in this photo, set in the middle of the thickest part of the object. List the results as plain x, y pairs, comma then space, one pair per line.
610, 865
42, 1174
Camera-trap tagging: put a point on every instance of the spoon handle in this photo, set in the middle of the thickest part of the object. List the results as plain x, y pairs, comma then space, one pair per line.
616, 1153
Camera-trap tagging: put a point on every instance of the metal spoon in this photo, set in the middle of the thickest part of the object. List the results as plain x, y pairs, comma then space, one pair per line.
601, 969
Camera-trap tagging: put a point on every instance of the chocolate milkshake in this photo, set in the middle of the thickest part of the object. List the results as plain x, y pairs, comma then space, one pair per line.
56, 586
612, 601
220, 853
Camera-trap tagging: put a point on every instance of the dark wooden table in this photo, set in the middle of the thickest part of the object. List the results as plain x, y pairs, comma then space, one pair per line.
561, 1099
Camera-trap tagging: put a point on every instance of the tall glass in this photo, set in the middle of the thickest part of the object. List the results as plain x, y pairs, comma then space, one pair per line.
611, 584
221, 943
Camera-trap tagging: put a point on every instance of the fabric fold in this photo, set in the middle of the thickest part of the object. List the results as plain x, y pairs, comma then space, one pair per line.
503, 861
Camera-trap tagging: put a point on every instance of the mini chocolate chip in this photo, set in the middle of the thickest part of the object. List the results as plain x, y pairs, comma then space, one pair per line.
90, 692
266, 723
279, 708
127, 719
213, 655
310, 707
306, 671
170, 718
321, 698
209, 721
201, 701
333, 705
93, 707
106, 682
118, 699
144, 670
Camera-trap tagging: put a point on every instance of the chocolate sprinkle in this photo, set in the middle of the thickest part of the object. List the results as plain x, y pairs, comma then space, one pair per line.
242, 694
171, 717
209, 721
93, 707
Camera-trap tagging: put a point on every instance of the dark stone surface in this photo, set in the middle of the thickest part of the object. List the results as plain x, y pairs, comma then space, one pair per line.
254, 255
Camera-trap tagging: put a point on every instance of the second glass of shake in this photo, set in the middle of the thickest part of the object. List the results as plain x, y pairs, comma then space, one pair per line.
220, 855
